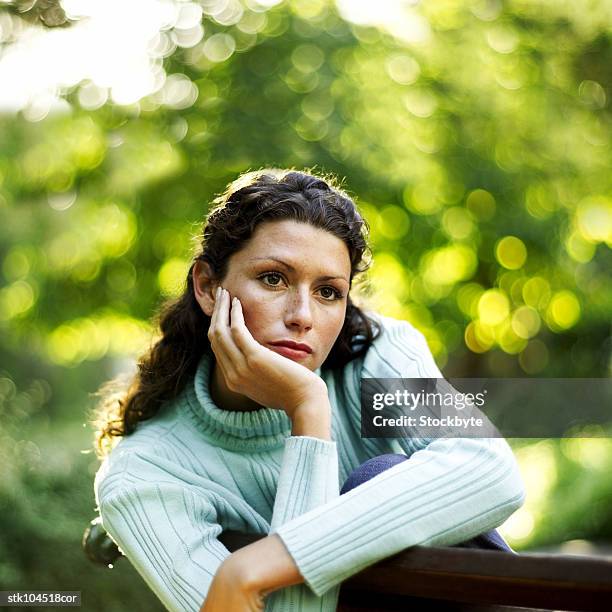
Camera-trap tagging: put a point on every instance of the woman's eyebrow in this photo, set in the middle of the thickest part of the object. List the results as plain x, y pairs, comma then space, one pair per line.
292, 269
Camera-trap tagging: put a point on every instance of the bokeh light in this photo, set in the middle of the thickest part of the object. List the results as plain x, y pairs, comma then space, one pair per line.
594, 218
493, 307
511, 252
563, 311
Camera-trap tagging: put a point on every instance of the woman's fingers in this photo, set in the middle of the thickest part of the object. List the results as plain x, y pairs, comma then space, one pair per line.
225, 325
213, 317
241, 334
214, 335
228, 354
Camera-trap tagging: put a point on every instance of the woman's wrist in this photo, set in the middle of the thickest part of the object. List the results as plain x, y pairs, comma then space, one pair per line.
262, 567
313, 417
313, 421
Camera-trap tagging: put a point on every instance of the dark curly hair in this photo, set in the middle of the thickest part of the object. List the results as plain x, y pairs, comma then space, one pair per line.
269, 194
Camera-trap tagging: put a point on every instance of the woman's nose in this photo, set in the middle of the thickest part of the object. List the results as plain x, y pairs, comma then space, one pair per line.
298, 309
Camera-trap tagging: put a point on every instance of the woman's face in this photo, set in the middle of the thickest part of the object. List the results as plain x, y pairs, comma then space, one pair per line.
292, 280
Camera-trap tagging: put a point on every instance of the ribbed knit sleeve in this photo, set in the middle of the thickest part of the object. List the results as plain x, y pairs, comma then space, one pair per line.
167, 531
449, 490
308, 479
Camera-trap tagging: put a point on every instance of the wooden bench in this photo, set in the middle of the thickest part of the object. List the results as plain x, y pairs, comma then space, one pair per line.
424, 578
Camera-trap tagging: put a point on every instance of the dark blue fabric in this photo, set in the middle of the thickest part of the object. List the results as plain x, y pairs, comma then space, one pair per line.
491, 540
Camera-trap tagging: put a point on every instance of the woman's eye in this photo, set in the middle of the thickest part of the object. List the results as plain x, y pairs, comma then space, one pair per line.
268, 275
334, 293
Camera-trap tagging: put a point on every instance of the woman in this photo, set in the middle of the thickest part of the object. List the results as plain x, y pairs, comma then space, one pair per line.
245, 415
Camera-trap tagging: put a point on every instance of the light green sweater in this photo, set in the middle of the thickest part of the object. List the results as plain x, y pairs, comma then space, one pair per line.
167, 491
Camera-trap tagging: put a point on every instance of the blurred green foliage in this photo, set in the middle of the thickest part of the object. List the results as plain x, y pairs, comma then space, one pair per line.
474, 136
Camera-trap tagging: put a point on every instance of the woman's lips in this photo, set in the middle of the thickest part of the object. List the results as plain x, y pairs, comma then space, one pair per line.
292, 353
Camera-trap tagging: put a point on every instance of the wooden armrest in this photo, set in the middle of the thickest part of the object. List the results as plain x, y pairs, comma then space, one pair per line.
457, 576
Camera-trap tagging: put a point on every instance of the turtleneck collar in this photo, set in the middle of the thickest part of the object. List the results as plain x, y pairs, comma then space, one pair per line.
255, 430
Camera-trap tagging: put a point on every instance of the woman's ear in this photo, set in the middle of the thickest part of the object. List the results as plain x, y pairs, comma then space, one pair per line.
204, 286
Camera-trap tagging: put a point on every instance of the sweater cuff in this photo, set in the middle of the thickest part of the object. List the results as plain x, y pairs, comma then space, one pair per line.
317, 445
308, 478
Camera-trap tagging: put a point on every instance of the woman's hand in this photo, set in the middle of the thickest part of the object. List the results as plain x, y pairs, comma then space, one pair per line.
249, 574
254, 370
229, 592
